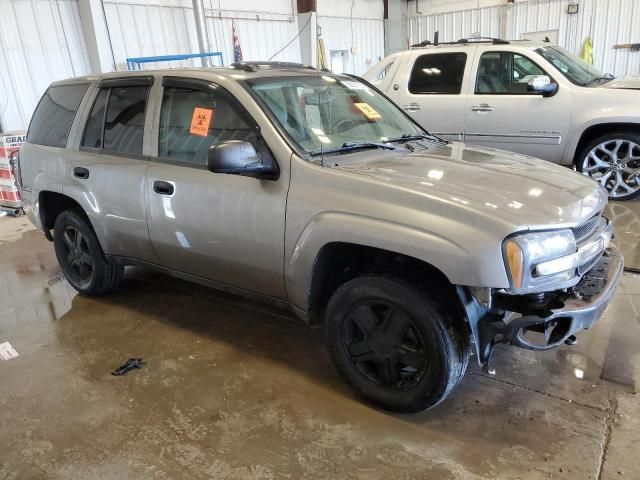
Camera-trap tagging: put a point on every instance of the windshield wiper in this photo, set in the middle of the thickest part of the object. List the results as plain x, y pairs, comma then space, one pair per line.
361, 144
608, 77
407, 137
355, 145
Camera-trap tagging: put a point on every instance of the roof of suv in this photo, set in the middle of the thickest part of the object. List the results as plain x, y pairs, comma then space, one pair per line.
239, 71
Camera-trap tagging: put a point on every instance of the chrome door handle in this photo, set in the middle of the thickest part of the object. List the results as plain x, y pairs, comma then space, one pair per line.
482, 108
412, 107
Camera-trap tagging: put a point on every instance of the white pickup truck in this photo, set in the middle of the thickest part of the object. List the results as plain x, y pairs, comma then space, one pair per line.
528, 97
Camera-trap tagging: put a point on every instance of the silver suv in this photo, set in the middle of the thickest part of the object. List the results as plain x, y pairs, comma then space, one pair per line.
528, 97
314, 191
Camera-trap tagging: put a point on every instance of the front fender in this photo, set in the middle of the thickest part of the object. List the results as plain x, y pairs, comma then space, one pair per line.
456, 262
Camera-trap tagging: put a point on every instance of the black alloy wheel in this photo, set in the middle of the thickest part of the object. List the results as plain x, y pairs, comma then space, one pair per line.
81, 257
401, 346
384, 345
77, 255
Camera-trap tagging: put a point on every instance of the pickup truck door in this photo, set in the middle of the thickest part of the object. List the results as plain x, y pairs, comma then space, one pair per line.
429, 86
501, 113
221, 227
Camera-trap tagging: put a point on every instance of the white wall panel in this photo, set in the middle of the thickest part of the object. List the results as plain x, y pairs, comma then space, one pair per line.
366, 35
164, 27
259, 39
358, 24
607, 22
40, 41
454, 25
142, 29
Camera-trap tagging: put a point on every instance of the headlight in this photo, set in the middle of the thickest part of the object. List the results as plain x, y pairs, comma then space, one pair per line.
536, 261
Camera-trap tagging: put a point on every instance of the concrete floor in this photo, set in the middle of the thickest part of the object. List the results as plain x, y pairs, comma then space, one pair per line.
235, 391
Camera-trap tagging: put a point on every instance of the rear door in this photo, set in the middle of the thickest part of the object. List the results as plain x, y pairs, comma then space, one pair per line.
106, 173
433, 92
501, 113
222, 227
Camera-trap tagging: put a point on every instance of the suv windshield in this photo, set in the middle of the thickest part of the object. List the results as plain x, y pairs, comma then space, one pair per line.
574, 68
331, 113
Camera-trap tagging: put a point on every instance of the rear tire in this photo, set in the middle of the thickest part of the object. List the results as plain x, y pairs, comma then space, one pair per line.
614, 161
394, 345
80, 256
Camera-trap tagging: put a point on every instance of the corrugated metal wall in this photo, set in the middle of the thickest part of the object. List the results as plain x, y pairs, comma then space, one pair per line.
140, 28
366, 35
488, 22
40, 41
608, 22
259, 38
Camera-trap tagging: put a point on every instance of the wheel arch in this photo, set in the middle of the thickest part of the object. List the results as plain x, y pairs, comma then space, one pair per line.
51, 204
338, 262
598, 130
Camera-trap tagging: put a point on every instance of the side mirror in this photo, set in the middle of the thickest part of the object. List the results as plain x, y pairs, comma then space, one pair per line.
238, 158
543, 85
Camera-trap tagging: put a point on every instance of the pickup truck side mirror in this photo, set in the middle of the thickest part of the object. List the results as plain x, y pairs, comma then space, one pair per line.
239, 158
543, 85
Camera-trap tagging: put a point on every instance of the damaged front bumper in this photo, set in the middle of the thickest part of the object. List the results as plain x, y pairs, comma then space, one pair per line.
548, 320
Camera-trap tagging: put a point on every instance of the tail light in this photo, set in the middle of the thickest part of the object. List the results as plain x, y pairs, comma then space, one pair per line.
14, 163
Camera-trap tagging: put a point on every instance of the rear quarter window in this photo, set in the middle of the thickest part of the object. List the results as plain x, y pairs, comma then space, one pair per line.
54, 115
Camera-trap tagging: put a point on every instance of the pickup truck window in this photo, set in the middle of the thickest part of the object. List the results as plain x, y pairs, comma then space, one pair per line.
505, 73
323, 113
54, 115
438, 73
193, 120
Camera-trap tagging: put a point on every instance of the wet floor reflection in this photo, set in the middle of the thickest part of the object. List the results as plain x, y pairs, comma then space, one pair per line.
626, 219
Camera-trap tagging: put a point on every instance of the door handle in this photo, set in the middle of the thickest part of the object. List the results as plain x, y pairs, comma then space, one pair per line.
483, 108
412, 107
81, 172
162, 187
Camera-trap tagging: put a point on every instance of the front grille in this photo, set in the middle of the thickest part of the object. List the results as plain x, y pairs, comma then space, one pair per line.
584, 231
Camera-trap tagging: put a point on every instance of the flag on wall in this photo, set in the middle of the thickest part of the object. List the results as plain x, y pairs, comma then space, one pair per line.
237, 51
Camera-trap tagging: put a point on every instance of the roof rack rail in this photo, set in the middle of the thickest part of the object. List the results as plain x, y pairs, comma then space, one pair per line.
462, 41
254, 66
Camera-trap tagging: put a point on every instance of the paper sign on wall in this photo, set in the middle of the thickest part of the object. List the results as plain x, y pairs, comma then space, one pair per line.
368, 111
200, 121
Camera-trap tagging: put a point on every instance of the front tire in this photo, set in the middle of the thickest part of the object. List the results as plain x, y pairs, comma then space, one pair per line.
614, 161
80, 256
393, 344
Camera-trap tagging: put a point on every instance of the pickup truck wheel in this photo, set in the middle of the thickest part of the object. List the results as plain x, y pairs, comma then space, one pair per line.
393, 344
614, 161
80, 256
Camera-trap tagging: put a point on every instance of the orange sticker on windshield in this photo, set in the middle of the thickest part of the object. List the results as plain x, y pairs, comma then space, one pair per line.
368, 111
200, 121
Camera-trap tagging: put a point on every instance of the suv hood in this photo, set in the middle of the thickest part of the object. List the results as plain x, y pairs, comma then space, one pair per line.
526, 192
625, 83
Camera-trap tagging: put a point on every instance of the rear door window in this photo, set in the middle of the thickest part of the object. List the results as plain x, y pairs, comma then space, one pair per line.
95, 124
124, 121
438, 73
116, 120
54, 115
